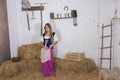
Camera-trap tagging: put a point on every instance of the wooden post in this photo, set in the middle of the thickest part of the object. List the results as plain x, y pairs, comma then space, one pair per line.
41, 20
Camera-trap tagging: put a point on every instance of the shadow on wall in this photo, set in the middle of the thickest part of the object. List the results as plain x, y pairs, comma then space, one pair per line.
37, 35
117, 69
53, 24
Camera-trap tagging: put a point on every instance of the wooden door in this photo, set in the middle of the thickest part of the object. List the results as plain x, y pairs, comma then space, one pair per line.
4, 33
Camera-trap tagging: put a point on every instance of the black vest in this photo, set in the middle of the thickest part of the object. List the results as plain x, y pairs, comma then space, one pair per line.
47, 42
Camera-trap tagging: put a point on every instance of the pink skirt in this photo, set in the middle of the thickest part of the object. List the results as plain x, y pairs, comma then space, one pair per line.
47, 62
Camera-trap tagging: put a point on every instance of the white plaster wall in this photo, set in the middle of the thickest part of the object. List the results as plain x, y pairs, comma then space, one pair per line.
106, 10
84, 37
13, 28
117, 35
117, 38
117, 46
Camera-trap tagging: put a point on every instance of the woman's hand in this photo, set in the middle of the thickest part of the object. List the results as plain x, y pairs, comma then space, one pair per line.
46, 48
51, 46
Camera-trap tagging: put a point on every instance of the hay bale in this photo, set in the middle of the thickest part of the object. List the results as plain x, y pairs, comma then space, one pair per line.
62, 75
83, 76
87, 76
30, 51
30, 69
9, 69
85, 65
34, 65
29, 65
29, 75
94, 75
88, 65
3, 77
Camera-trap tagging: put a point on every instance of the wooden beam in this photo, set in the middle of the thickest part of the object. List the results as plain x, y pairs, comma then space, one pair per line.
33, 8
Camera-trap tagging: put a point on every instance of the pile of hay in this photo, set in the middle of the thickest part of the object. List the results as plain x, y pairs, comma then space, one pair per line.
85, 65
65, 70
29, 67
9, 69
30, 51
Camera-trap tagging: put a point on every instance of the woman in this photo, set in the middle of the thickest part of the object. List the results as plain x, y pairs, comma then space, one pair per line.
48, 40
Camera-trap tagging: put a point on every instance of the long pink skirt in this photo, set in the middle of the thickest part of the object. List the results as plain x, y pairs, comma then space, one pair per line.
47, 65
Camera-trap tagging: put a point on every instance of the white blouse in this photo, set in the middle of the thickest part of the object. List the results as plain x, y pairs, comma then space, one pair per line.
47, 37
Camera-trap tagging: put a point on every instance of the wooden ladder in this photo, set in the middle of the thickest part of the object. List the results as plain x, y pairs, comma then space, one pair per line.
102, 58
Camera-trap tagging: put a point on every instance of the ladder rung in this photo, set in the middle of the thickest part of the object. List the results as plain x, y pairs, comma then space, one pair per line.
106, 26
106, 36
106, 47
105, 58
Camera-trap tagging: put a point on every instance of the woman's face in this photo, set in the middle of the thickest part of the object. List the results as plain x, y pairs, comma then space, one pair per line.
47, 28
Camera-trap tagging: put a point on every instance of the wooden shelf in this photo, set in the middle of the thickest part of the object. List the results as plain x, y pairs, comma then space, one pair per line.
63, 18
116, 18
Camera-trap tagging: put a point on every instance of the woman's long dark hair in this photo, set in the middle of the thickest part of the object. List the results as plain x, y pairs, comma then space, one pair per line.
51, 33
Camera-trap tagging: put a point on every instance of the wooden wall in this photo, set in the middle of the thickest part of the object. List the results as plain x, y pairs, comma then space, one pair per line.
4, 33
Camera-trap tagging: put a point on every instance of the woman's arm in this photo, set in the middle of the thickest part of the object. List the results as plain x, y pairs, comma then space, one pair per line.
55, 41
41, 43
